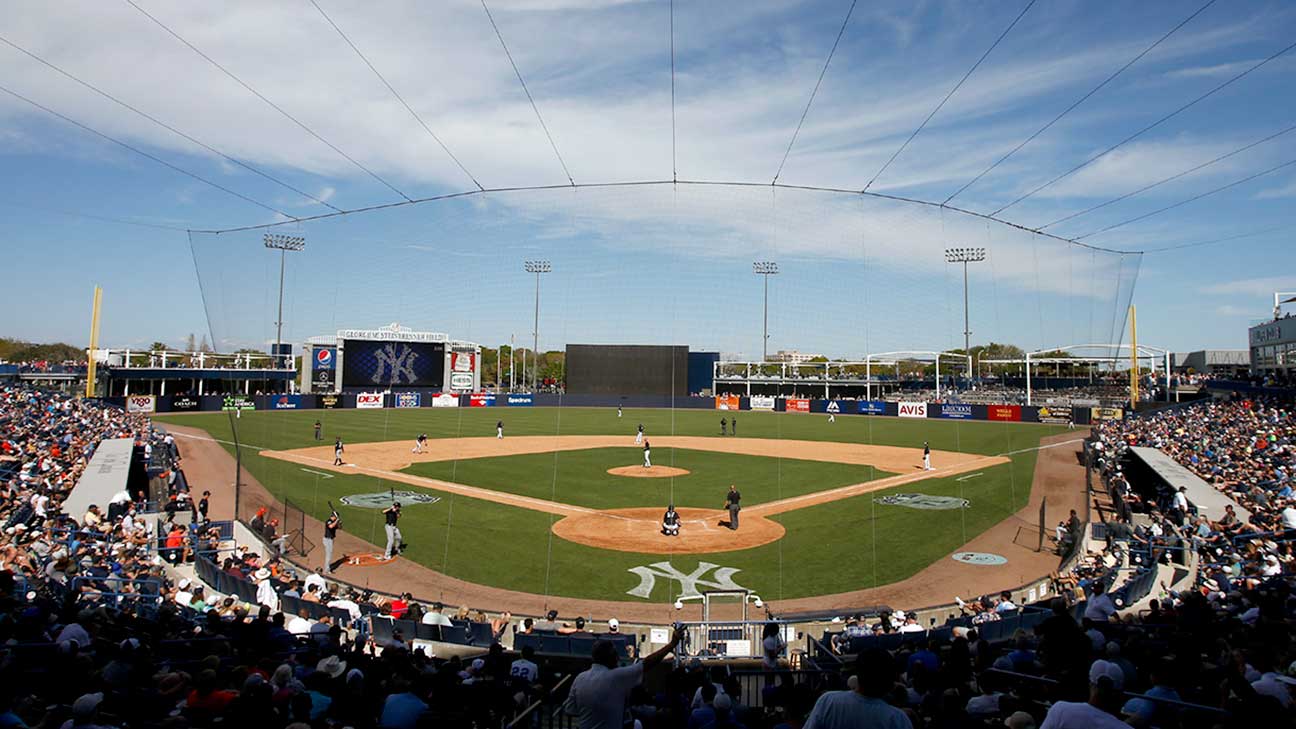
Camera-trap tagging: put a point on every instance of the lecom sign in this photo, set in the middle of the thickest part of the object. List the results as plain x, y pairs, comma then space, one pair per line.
369, 400
912, 409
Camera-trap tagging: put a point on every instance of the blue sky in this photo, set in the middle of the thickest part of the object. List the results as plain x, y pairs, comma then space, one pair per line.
654, 264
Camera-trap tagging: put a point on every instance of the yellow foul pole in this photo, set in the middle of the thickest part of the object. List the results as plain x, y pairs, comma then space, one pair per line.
1134, 359
94, 342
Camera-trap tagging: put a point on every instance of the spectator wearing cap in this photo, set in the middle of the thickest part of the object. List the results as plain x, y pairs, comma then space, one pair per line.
1105, 682
265, 592
549, 623
437, 616
1100, 607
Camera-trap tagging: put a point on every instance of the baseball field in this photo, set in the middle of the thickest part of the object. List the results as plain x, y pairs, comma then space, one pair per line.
562, 506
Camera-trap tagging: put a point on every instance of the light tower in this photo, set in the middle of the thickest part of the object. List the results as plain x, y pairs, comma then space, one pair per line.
766, 269
536, 267
966, 256
282, 243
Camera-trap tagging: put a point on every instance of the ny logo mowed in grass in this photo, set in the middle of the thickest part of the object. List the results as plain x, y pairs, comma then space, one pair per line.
689, 583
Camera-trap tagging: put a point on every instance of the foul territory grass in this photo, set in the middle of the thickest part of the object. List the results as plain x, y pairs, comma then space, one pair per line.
844, 545
581, 477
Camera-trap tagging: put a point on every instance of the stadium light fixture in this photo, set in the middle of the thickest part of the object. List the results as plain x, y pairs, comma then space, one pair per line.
283, 244
966, 256
536, 267
766, 269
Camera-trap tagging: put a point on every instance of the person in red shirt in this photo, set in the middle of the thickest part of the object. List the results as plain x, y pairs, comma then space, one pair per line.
399, 606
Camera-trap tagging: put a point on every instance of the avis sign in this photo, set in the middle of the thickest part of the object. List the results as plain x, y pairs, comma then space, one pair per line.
688, 583
911, 409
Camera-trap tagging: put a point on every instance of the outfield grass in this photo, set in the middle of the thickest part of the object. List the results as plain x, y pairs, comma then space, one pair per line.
844, 545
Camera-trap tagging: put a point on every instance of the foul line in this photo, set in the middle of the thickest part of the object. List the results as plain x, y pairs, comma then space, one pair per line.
969, 476
318, 473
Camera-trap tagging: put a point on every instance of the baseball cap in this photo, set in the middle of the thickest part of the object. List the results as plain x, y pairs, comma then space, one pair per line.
478, 664
614, 625
1108, 670
1020, 720
85, 706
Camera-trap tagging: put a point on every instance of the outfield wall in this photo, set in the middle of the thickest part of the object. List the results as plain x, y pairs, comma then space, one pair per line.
423, 399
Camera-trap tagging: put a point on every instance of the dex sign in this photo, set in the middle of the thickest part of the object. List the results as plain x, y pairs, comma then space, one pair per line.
369, 400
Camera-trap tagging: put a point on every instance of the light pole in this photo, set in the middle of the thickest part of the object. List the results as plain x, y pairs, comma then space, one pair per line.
536, 267
282, 243
966, 256
766, 269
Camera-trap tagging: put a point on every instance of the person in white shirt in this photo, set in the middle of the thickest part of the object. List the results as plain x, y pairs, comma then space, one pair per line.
862, 707
265, 593
300, 624
1289, 517
1101, 608
597, 697
348, 604
435, 616
1105, 682
315, 578
183, 596
525, 669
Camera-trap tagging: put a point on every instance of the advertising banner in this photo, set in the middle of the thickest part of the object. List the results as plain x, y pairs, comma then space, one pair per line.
798, 404
408, 399
445, 400
521, 400
462, 366
872, 407
369, 400
727, 402
232, 403
1055, 414
911, 409
285, 402
185, 403
141, 404
392, 364
1007, 413
482, 400
1107, 413
956, 411
323, 370
329, 402
762, 402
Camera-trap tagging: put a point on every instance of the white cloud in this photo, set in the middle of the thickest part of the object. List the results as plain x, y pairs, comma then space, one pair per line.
1257, 287
1288, 190
1219, 70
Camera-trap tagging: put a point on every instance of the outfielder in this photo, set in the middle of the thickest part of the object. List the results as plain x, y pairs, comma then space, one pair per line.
639, 437
330, 533
419, 443
337, 451
647, 452
927, 466
832, 417
394, 538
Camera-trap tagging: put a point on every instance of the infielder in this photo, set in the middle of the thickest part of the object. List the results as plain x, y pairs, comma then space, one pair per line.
618, 411
330, 533
926, 457
647, 452
419, 443
394, 538
337, 451
499, 430
639, 437
671, 522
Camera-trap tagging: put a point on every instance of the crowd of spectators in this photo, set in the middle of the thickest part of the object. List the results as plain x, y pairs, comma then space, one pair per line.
98, 630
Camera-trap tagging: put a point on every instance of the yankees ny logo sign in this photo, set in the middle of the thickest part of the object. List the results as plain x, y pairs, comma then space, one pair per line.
688, 583
399, 365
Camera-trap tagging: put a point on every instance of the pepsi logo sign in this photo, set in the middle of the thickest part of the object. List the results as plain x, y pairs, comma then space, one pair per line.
324, 357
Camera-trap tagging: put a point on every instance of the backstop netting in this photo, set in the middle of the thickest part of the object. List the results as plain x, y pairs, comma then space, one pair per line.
863, 308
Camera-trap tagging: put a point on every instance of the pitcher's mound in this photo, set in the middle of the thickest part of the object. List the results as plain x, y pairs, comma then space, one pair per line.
639, 530
653, 472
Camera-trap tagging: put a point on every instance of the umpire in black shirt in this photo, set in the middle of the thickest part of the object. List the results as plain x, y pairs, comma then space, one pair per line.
731, 502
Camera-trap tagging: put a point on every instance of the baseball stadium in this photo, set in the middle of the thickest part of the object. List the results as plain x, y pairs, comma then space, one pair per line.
530, 397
